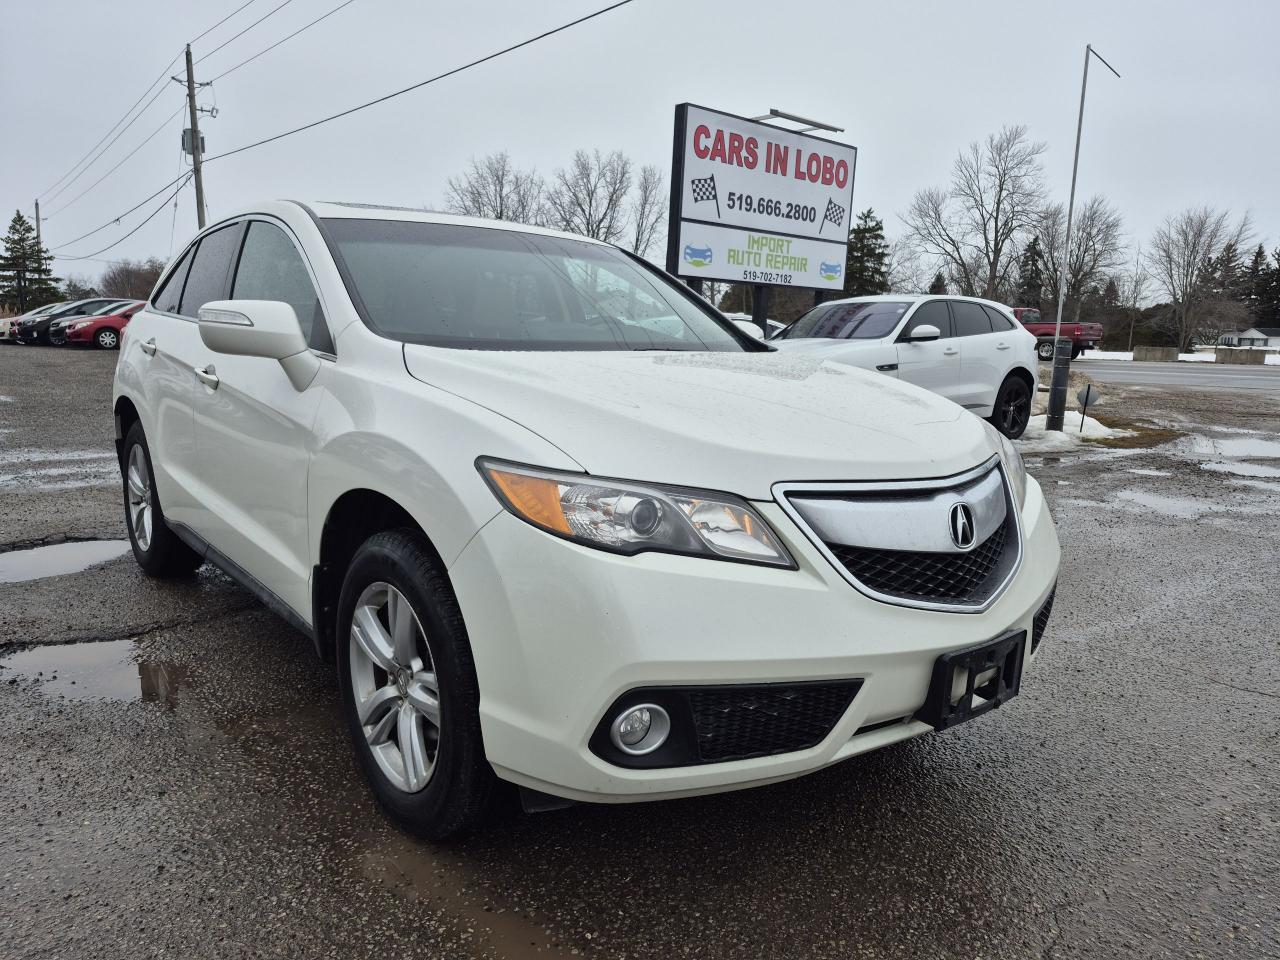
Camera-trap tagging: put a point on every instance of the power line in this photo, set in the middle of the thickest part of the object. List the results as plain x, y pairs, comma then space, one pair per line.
145, 221
221, 22
423, 83
347, 3
110, 144
347, 112
121, 216
151, 136
245, 30
163, 73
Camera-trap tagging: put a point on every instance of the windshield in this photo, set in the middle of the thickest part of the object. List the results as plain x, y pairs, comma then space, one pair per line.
108, 308
848, 321
452, 285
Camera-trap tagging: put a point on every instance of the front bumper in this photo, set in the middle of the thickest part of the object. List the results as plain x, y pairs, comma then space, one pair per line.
84, 335
560, 631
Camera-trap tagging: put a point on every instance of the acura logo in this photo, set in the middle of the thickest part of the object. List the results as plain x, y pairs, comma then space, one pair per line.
960, 520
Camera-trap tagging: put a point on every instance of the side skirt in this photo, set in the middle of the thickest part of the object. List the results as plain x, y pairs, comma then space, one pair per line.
242, 577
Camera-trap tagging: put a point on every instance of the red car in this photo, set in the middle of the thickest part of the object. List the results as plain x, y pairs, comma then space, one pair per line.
1083, 336
105, 331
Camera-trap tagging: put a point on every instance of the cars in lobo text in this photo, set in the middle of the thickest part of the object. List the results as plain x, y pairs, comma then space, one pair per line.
102, 330
558, 522
968, 350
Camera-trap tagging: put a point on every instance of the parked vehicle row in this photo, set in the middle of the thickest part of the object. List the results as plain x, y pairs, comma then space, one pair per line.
99, 322
560, 523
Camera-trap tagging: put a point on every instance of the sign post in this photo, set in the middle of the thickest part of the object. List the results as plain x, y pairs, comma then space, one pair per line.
754, 203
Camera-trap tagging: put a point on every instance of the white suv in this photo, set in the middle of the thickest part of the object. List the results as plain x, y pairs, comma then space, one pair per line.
408, 434
968, 350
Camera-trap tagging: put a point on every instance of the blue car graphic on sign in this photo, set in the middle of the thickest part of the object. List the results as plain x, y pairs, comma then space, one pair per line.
696, 256
830, 271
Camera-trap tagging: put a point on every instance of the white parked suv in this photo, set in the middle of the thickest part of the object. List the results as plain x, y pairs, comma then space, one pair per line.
968, 350
557, 521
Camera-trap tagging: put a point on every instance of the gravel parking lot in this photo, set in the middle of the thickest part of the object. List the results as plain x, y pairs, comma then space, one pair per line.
175, 780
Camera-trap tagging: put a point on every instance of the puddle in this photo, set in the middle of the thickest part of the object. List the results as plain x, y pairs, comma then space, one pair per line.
1240, 468
1169, 506
57, 560
1232, 448
417, 874
1149, 473
96, 671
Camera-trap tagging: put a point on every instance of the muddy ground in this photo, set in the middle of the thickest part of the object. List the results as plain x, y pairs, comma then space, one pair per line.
174, 780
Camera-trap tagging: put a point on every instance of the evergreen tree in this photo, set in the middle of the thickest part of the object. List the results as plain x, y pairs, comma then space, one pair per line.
1030, 290
939, 284
26, 268
866, 261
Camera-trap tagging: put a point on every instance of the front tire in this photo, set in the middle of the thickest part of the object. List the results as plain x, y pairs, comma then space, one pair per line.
156, 548
1012, 410
409, 688
107, 339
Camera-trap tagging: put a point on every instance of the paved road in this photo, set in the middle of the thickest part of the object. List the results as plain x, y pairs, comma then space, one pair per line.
1198, 376
174, 780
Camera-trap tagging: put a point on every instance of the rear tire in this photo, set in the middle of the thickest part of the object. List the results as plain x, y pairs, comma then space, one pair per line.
409, 688
1012, 410
157, 549
1075, 352
1045, 350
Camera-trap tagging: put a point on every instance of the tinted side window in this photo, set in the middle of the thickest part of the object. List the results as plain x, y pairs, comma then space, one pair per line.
933, 313
210, 269
171, 293
271, 269
999, 321
970, 319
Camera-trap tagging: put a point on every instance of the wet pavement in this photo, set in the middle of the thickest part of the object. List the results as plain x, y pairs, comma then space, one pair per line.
175, 780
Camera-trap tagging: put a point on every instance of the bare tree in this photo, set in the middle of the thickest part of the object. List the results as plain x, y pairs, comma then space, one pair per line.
1132, 285
1179, 248
906, 270
647, 209
131, 278
590, 196
973, 225
495, 188
1097, 246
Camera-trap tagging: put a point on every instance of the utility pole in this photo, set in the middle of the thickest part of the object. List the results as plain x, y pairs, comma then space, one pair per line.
1062, 351
37, 223
195, 140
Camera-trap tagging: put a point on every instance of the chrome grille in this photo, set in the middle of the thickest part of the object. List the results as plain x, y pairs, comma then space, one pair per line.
894, 540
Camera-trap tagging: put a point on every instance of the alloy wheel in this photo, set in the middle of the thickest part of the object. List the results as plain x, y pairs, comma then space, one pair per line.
394, 686
107, 339
138, 478
1015, 412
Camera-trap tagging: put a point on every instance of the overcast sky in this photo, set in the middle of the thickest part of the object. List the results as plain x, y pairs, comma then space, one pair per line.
1192, 121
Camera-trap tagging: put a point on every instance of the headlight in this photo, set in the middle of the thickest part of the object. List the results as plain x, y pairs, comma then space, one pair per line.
632, 518
79, 325
1013, 469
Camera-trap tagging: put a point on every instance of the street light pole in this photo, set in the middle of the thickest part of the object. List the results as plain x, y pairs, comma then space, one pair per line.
1061, 351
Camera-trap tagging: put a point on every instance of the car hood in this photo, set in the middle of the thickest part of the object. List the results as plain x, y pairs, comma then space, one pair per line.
729, 421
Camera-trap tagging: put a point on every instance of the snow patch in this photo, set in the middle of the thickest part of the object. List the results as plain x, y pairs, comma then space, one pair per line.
1037, 439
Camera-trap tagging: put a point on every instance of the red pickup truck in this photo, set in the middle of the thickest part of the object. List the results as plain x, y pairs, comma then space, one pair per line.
1084, 336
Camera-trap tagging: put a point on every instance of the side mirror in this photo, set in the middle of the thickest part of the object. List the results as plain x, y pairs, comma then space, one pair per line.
259, 328
922, 333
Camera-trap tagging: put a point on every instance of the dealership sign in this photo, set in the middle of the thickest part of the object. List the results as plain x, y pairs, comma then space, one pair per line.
754, 203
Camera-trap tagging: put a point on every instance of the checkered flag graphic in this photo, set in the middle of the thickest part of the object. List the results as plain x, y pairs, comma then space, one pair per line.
834, 214
705, 189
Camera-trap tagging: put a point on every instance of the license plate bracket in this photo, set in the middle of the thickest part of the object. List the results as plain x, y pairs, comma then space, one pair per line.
968, 683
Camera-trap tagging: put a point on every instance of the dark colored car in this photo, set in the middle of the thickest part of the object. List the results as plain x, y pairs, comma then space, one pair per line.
103, 330
1083, 336
37, 329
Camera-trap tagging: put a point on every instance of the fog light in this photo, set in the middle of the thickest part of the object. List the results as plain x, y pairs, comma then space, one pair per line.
640, 729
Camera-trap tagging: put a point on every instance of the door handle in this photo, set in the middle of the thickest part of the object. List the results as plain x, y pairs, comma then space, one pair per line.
1002, 346
149, 347
950, 351
207, 376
